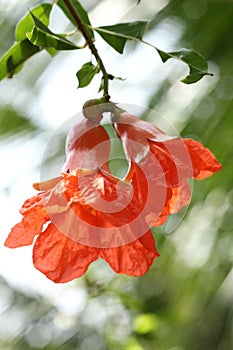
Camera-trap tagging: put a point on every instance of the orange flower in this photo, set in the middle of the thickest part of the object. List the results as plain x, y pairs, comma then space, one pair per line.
88, 214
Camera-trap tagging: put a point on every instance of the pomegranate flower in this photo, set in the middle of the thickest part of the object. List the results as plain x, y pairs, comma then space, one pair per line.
87, 213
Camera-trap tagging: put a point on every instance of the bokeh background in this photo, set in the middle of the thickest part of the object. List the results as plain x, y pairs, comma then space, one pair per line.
185, 301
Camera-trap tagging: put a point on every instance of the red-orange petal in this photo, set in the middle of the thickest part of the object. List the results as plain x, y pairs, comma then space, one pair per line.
60, 258
88, 146
165, 158
133, 259
46, 185
203, 160
135, 133
20, 235
23, 233
181, 197
35, 202
145, 129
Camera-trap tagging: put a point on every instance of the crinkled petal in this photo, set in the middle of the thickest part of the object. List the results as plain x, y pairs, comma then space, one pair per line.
167, 163
175, 160
23, 233
162, 216
108, 198
203, 160
35, 202
181, 197
60, 258
153, 192
133, 259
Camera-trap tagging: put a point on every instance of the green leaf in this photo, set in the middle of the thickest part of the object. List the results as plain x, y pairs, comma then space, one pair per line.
117, 35
198, 66
193, 76
14, 58
192, 58
81, 13
86, 74
43, 37
42, 12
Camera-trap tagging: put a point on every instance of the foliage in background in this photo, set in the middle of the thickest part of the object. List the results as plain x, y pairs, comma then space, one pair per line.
32, 34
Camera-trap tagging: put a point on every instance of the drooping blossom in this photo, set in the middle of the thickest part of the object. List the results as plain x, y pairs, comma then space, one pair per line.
87, 213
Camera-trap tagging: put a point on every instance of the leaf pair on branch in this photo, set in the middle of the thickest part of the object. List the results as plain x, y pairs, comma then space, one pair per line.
32, 35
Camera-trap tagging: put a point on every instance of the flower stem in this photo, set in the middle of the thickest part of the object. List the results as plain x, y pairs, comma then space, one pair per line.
81, 26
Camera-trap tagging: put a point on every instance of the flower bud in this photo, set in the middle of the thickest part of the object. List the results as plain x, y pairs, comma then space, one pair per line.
92, 110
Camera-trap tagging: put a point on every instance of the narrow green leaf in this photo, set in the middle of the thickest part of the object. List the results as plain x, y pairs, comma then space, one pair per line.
198, 66
80, 11
42, 12
43, 37
117, 35
14, 58
86, 74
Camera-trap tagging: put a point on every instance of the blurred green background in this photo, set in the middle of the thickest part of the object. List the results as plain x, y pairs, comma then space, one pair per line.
185, 301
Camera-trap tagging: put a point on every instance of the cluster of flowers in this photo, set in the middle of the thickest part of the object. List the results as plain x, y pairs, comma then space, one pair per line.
88, 213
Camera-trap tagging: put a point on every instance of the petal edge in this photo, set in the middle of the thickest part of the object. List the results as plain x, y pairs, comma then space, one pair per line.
133, 259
